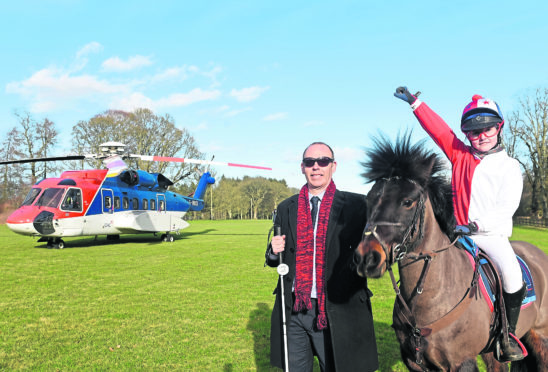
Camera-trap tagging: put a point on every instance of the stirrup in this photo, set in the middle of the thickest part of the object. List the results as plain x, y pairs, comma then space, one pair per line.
518, 353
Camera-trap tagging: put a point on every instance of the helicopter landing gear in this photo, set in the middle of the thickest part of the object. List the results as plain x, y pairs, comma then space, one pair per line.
56, 243
167, 238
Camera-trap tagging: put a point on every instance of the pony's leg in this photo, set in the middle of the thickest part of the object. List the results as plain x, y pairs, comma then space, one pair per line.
537, 360
469, 365
493, 365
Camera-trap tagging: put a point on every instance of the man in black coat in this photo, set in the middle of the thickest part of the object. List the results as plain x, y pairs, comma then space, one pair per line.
327, 305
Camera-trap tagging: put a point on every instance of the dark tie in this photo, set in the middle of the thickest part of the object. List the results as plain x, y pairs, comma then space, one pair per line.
314, 210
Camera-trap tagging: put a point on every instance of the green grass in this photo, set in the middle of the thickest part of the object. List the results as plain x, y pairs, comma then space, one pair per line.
201, 303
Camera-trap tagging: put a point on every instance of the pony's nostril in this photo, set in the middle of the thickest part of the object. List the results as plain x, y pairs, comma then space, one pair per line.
372, 261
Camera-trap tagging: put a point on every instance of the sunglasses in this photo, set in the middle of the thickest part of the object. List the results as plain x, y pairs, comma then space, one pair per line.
322, 162
486, 132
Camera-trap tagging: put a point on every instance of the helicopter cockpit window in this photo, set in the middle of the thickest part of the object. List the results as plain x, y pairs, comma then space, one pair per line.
50, 198
145, 203
73, 200
116, 202
31, 196
134, 203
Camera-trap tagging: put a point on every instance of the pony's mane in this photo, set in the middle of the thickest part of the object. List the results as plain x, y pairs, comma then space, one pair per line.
413, 162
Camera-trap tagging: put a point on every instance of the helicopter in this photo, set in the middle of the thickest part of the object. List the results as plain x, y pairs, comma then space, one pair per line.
112, 201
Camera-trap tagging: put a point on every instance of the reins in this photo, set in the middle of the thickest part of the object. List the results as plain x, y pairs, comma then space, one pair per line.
401, 251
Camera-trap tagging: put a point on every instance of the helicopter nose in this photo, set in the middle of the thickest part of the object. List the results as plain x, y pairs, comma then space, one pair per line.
20, 222
43, 223
22, 228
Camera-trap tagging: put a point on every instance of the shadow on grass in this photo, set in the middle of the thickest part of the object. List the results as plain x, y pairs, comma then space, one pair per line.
259, 326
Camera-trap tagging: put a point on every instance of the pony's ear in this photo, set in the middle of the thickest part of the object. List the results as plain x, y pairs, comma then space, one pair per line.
428, 168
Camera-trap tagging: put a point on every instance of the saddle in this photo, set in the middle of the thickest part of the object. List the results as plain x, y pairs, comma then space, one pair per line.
490, 287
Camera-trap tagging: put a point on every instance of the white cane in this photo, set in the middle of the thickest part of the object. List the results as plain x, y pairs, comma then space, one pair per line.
283, 269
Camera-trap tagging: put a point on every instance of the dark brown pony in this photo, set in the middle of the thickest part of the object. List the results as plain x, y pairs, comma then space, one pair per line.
441, 320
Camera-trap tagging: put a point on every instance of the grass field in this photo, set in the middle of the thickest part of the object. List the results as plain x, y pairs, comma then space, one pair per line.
201, 303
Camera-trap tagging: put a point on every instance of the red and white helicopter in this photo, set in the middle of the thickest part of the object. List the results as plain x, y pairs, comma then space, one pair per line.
112, 201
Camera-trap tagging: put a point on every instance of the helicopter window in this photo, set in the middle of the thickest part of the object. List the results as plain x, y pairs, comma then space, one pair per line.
73, 200
116, 202
162, 205
145, 203
50, 198
152, 204
31, 196
125, 203
135, 203
108, 202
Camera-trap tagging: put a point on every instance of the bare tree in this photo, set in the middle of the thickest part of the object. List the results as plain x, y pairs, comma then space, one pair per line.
529, 125
13, 185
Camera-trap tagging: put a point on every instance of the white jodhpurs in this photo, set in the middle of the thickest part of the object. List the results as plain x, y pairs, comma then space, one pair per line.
500, 251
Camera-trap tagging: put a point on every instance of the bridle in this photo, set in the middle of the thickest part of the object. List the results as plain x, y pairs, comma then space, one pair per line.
400, 250
403, 250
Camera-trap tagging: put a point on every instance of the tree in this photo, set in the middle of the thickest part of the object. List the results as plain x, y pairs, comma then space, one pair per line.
143, 133
37, 139
529, 125
13, 185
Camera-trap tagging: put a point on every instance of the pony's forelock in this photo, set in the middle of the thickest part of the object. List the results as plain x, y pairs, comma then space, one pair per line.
414, 162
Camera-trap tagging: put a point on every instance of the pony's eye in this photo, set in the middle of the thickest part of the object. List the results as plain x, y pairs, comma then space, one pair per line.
407, 203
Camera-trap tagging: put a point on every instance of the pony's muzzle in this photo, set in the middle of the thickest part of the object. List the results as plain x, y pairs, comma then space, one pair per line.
371, 258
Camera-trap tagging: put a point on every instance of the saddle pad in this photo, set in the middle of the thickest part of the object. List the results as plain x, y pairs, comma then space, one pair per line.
472, 248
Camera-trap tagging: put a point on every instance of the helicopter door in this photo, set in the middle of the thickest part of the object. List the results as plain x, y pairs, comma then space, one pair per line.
161, 203
107, 196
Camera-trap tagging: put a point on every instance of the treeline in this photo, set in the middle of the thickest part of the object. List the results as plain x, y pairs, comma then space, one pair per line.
144, 133
247, 198
525, 137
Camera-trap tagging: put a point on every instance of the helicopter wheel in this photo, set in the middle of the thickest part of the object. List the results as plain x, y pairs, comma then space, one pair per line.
59, 243
167, 238
50, 243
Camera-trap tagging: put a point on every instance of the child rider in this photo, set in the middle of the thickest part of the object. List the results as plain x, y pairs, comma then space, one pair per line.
487, 186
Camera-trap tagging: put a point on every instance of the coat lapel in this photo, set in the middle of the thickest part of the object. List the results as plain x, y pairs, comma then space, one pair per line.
293, 220
336, 209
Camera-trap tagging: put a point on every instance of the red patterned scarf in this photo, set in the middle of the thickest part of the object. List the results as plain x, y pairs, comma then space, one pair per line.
305, 253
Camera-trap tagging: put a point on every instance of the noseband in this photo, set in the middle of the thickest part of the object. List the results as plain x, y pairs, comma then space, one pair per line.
400, 250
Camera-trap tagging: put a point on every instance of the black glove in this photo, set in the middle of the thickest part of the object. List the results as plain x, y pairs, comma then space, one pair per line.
403, 94
469, 229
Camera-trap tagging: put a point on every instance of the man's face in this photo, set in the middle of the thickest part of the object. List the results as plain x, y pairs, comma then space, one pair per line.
317, 177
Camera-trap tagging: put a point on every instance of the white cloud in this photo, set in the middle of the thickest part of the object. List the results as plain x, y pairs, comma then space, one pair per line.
89, 48
248, 94
233, 113
131, 102
132, 63
171, 73
276, 116
139, 100
52, 88
185, 99
313, 123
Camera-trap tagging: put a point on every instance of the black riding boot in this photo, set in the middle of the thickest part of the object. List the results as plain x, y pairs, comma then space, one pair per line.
511, 351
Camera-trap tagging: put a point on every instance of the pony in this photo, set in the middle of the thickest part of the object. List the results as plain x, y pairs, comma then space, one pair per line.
441, 320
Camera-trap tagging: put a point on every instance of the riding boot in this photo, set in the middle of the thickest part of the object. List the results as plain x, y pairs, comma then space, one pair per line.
511, 350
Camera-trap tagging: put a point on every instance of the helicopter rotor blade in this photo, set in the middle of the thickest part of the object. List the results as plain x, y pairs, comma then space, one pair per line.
55, 158
195, 161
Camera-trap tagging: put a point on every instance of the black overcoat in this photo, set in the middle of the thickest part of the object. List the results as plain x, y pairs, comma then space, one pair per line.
348, 304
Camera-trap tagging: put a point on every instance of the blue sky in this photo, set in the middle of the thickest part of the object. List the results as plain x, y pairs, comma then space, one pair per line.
256, 81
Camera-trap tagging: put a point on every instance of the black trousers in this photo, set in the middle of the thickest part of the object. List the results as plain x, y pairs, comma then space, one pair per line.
304, 341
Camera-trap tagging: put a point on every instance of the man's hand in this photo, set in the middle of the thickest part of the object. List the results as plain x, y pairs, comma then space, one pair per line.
278, 244
466, 229
403, 94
